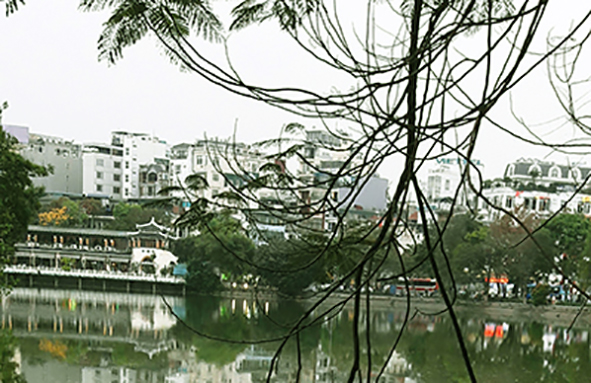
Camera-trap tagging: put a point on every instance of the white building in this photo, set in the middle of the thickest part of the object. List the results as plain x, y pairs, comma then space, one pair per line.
444, 176
64, 158
102, 171
542, 203
222, 164
546, 173
138, 149
328, 173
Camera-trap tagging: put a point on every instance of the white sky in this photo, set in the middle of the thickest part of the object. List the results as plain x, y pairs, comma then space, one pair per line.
50, 75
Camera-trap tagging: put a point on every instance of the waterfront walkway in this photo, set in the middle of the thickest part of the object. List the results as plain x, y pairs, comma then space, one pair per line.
97, 280
92, 274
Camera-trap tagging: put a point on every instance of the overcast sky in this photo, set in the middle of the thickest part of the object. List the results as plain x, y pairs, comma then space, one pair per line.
50, 75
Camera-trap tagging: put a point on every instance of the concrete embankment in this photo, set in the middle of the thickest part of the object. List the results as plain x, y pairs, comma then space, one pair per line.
558, 315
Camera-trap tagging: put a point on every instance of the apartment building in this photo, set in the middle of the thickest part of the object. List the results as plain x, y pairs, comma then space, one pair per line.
222, 164
138, 149
328, 172
62, 157
444, 177
102, 171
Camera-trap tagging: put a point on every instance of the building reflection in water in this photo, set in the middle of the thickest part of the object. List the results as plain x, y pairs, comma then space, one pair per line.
90, 337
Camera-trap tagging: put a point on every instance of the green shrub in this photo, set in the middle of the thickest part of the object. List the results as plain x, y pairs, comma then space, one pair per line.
539, 295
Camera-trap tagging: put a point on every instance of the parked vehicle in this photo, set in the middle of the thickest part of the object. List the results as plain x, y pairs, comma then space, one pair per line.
425, 287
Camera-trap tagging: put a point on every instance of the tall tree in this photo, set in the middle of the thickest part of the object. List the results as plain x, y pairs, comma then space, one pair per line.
19, 198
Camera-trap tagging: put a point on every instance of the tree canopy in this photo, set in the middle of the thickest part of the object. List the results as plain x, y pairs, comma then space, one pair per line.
19, 198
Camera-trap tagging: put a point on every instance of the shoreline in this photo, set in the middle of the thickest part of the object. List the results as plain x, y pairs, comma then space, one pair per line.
495, 311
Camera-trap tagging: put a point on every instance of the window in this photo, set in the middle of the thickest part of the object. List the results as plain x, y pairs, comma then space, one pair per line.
100, 162
215, 177
127, 178
510, 170
127, 151
199, 160
117, 164
446, 185
126, 191
126, 164
555, 173
116, 190
509, 203
99, 188
177, 169
116, 177
99, 175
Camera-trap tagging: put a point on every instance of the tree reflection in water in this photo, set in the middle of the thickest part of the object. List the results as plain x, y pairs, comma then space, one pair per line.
120, 337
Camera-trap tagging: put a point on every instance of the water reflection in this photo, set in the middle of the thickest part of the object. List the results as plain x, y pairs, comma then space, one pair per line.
70, 336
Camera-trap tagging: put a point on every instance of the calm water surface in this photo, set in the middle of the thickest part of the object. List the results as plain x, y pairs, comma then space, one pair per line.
73, 336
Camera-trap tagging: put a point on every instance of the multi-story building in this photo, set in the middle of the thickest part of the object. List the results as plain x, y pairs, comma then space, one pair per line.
222, 164
546, 173
138, 149
540, 202
327, 172
102, 171
444, 177
63, 158
153, 178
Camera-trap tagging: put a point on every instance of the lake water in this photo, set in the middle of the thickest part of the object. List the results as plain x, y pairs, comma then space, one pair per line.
77, 336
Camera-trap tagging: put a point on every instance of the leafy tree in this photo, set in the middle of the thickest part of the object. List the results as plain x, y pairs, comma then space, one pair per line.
92, 206
8, 371
522, 258
54, 217
222, 248
569, 232
63, 212
127, 215
19, 198
275, 259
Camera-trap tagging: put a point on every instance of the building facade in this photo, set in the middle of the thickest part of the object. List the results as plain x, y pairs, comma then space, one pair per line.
138, 149
546, 173
63, 158
102, 171
223, 165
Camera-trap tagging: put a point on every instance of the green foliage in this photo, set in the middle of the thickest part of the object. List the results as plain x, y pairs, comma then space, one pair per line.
9, 368
539, 295
132, 20
128, 215
74, 214
221, 248
276, 259
570, 232
584, 265
19, 199
92, 206
67, 263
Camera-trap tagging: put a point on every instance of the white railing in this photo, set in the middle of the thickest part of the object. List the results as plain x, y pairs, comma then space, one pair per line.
94, 274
